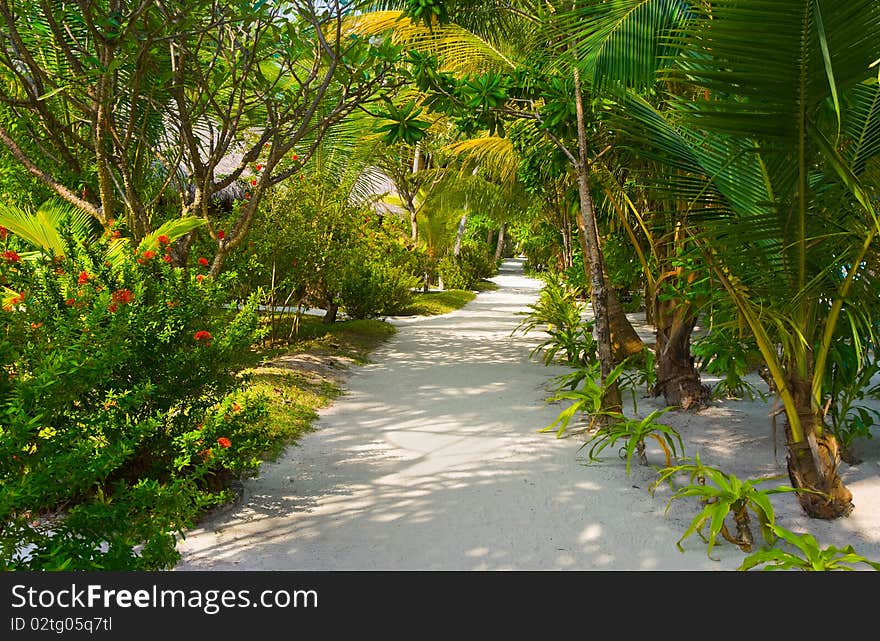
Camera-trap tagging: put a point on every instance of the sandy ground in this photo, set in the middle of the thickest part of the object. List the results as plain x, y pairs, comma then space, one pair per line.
433, 460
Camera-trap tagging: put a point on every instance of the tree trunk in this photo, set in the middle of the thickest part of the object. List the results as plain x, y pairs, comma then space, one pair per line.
413, 221
625, 340
594, 265
650, 302
330, 313
813, 462
677, 378
459, 236
499, 246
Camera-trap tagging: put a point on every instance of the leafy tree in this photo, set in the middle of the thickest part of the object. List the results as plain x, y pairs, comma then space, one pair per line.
144, 111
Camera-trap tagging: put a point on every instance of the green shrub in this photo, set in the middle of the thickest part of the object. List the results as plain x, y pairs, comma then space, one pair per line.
122, 412
376, 287
466, 270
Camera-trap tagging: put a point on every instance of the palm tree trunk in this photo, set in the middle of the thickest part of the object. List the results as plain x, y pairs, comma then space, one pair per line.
499, 246
677, 378
813, 462
625, 340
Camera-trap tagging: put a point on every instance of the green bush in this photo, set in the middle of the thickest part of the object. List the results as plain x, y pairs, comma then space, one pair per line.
466, 270
122, 412
376, 287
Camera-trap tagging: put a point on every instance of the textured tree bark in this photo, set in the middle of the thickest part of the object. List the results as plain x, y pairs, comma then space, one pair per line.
678, 380
813, 463
594, 265
625, 340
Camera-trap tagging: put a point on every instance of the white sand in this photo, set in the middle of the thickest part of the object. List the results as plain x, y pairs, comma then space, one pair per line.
432, 460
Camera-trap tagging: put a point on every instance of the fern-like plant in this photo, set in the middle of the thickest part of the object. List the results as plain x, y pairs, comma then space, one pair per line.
812, 558
723, 494
633, 432
585, 400
559, 314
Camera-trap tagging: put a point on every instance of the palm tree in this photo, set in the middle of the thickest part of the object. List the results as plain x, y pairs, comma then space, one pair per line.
777, 162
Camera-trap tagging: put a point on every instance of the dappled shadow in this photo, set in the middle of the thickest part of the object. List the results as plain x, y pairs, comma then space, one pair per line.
432, 460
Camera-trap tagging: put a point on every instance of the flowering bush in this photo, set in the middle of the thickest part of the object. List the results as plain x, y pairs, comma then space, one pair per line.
122, 414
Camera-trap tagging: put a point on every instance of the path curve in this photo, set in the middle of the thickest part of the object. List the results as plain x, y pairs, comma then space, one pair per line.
432, 460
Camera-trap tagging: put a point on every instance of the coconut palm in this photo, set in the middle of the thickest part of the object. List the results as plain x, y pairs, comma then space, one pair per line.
777, 164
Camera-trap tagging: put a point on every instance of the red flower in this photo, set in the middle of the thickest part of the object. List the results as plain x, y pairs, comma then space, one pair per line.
202, 335
295, 157
70, 302
17, 299
36, 325
224, 442
112, 307
115, 234
167, 258
163, 239
221, 234
11, 256
247, 195
83, 278
149, 254
122, 296
3, 232
259, 167
203, 261
200, 277
254, 183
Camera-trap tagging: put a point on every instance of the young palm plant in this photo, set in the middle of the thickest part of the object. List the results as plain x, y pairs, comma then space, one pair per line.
723, 494
812, 557
633, 432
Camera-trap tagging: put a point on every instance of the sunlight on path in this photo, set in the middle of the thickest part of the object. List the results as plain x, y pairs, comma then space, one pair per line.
432, 460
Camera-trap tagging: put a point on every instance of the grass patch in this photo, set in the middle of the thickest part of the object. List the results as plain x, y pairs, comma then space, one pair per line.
486, 286
294, 400
353, 339
435, 303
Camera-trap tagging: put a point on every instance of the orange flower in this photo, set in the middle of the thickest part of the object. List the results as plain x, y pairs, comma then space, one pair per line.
236, 407
200, 277
167, 258
149, 254
112, 307
202, 335
122, 296
224, 442
163, 239
83, 278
